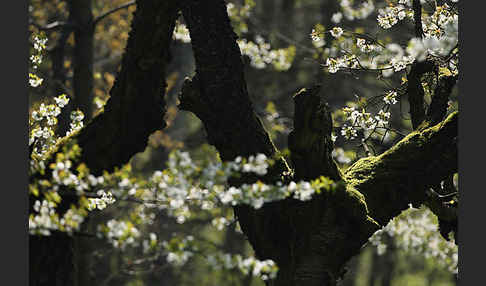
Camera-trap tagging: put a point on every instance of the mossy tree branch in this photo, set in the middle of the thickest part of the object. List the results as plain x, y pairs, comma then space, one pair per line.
401, 175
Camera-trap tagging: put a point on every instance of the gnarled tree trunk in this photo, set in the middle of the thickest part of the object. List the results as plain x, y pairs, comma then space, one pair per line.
310, 241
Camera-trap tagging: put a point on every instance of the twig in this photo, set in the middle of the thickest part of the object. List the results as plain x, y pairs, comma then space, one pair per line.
107, 13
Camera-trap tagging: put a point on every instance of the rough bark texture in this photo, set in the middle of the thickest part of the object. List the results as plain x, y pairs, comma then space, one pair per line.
438, 105
135, 110
415, 91
417, 17
310, 142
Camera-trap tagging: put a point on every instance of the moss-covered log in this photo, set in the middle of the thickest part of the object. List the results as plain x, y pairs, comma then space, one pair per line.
135, 110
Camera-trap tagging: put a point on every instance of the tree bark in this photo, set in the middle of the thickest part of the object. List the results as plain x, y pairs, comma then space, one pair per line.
135, 109
81, 15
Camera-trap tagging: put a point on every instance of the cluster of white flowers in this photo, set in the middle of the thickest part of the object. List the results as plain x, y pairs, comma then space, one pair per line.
120, 233
62, 175
365, 121
179, 250
102, 202
42, 123
416, 230
390, 15
265, 269
178, 192
440, 38
181, 33
346, 61
336, 32
366, 47
390, 97
315, 35
399, 60
382, 117
45, 218
340, 156
36, 59
255, 164
243, 11
441, 31
259, 193
76, 124
261, 54
349, 132
34, 80
149, 244
239, 15
336, 17
359, 118
220, 222
72, 220
361, 12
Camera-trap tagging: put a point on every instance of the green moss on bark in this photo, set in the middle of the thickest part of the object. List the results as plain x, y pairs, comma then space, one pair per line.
400, 175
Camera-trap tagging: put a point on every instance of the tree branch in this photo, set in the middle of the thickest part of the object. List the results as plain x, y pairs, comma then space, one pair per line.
136, 106
415, 91
108, 13
438, 106
54, 25
401, 175
310, 142
81, 14
57, 54
417, 16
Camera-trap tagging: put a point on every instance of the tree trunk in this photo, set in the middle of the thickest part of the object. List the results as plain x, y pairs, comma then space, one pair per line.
310, 241
81, 14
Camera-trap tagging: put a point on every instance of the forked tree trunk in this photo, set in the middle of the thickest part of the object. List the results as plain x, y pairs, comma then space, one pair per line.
310, 241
